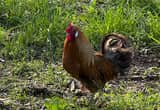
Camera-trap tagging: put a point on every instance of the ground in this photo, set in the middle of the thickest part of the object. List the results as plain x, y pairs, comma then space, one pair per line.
39, 85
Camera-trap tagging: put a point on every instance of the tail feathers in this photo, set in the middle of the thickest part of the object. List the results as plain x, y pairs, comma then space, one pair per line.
116, 48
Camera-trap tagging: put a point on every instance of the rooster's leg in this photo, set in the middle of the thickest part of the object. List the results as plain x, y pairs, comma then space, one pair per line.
84, 89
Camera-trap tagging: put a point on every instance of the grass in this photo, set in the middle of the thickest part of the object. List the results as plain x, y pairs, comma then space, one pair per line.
127, 101
31, 26
31, 42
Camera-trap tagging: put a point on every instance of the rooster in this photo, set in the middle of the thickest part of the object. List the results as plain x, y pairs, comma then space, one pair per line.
93, 69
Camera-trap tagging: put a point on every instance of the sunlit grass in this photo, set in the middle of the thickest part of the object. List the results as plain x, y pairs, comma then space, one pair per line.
36, 28
128, 101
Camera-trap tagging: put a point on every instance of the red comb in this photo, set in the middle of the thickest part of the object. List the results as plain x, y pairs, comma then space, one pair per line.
68, 29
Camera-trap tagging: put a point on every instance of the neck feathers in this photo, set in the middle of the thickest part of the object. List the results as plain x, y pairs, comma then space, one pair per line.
85, 49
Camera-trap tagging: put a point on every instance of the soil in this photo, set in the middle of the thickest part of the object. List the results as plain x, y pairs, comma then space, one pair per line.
143, 73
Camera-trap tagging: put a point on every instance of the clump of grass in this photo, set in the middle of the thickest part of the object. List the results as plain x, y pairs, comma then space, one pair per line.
127, 101
138, 101
153, 23
58, 104
40, 28
26, 69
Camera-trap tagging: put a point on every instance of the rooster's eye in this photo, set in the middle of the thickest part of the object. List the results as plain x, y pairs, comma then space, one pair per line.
76, 34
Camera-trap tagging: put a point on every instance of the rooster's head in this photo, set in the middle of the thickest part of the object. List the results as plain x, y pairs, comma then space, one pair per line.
72, 32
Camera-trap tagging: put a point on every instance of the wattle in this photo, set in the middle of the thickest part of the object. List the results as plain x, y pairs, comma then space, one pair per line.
69, 38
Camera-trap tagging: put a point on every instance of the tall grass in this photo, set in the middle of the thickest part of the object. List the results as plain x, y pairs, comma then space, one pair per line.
35, 29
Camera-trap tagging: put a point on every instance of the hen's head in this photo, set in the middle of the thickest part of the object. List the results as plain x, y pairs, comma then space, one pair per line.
72, 32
